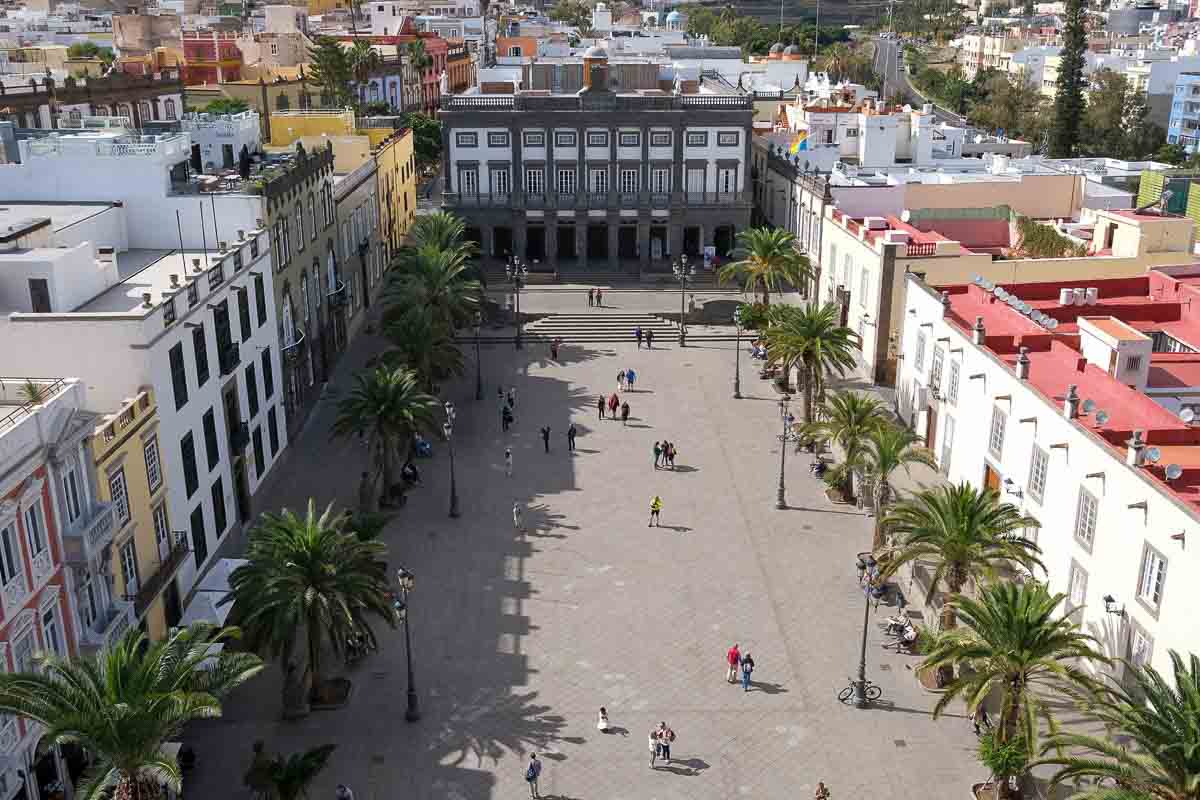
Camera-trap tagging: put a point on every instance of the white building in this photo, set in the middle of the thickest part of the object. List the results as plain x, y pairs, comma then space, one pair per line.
1079, 429
387, 17
221, 137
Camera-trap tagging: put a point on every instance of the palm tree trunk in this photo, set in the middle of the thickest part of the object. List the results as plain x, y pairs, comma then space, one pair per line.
313, 630
808, 392
880, 493
954, 585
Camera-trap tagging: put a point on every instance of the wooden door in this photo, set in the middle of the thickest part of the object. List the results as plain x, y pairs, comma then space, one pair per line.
931, 423
991, 478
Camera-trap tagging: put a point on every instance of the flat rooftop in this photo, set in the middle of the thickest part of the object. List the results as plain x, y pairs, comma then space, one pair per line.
144, 270
61, 215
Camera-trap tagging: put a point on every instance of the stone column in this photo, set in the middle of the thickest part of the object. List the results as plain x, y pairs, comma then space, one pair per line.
643, 237
487, 245
581, 253
519, 226
675, 241
551, 227
614, 241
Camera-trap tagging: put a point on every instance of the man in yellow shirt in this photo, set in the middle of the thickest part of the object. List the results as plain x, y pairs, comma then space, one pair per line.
655, 507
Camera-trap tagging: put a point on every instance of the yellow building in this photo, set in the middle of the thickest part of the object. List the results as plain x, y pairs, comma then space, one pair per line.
146, 555
396, 174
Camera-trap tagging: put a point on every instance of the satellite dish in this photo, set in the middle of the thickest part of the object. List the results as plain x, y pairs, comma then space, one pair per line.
1153, 454
1101, 417
1089, 406
1173, 471
1187, 415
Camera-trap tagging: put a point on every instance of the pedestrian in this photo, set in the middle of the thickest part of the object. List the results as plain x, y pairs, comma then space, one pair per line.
518, 513
500, 395
508, 461
600, 406
657, 453
506, 418
649, 338
979, 718
532, 774
747, 668
546, 437
666, 737
621, 380
614, 403
602, 720
637, 334
653, 746
343, 792
734, 659
630, 377
591, 297
655, 507
821, 793
599, 297
512, 398
625, 413
554, 349
671, 454
571, 431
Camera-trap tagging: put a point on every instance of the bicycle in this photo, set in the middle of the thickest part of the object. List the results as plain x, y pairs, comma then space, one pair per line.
872, 691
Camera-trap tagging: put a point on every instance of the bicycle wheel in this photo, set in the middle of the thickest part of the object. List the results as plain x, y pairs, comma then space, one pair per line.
874, 692
844, 694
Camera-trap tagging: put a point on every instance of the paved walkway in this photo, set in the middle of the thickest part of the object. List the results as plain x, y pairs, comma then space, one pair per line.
519, 639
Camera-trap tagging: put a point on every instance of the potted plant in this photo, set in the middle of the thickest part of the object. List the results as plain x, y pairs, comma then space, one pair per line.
1005, 761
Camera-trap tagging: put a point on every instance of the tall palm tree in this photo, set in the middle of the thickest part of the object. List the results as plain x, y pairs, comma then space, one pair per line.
434, 286
811, 337
417, 56
387, 407
291, 776
308, 574
1159, 720
123, 703
836, 61
364, 60
889, 448
966, 533
424, 347
441, 230
771, 260
847, 418
1015, 643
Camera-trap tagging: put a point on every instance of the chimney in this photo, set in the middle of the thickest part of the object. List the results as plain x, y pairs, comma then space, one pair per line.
146, 301
1133, 456
241, 235
980, 332
1023, 364
1071, 403
174, 281
195, 265
222, 246
258, 223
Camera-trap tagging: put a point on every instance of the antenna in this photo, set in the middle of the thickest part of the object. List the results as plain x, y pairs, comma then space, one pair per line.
1089, 406
1153, 454
1173, 471
1101, 417
1187, 415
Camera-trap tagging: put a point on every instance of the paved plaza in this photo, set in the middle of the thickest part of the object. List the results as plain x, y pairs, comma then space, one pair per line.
519, 639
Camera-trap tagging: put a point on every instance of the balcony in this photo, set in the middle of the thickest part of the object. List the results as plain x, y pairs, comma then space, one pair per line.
91, 536
109, 626
291, 352
153, 586
239, 437
14, 594
338, 297
229, 357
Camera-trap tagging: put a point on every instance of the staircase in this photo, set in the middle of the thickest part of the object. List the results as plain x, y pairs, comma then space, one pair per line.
605, 326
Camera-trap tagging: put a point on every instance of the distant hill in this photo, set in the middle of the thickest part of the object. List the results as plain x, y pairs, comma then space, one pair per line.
834, 12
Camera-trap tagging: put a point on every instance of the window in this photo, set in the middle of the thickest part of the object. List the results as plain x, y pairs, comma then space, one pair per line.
864, 286
1141, 646
469, 181
629, 139
169, 108
168, 307
153, 467
119, 493
952, 383
299, 231
1039, 463
947, 446
274, 48
23, 653
534, 139
500, 182
129, 570
1133, 363
259, 462
852, 133
71, 498
728, 139
660, 139
696, 139
51, 633
535, 181
1153, 576
1086, 510
312, 213
497, 139
565, 139
996, 437
218, 499
566, 181
187, 449
260, 299
1076, 587
919, 356
598, 181
88, 607
268, 374
251, 390
200, 352
463, 139
597, 139
629, 181
695, 180
660, 180
10, 554
272, 431
179, 376
199, 537
935, 368
244, 314
210, 439
35, 528
162, 529
514, 51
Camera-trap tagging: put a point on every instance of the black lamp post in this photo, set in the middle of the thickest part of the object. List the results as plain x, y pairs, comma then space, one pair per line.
478, 363
780, 502
737, 358
859, 693
406, 580
682, 274
516, 273
448, 429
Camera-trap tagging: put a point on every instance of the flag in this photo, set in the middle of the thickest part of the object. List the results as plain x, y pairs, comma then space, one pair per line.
799, 143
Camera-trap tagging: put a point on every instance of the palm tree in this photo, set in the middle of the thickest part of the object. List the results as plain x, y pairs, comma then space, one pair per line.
415, 52
1017, 644
291, 776
888, 448
309, 574
388, 407
434, 286
966, 533
836, 61
123, 703
847, 418
771, 260
1159, 755
424, 347
811, 337
364, 60
441, 230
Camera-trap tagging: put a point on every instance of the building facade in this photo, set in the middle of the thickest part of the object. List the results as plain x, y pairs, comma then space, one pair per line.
361, 252
621, 182
396, 174
1183, 128
46, 104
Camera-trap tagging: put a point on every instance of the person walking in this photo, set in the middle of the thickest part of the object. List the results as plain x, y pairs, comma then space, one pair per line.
630, 377
637, 334
546, 437
655, 507
343, 792
733, 659
654, 747
821, 793
671, 454
625, 413
512, 398
506, 418
621, 380
600, 406
649, 338
571, 431
666, 737
747, 669
532, 774
518, 516
508, 461
591, 297
599, 297
657, 453
614, 403
554, 349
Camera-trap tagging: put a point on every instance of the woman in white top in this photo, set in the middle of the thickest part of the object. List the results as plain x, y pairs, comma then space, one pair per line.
602, 721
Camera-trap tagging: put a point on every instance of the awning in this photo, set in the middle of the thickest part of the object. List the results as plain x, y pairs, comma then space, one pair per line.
217, 578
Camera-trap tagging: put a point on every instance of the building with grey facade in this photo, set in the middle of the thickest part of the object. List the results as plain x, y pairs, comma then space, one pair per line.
599, 179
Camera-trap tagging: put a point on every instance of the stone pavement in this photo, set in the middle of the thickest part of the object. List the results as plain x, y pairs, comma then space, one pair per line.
519, 639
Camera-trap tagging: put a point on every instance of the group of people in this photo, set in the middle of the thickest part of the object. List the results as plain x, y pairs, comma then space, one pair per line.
649, 334
625, 380
614, 405
758, 349
666, 451
660, 743
595, 297
738, 661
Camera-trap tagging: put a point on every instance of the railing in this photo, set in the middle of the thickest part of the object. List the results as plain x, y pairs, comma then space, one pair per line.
228, 358
15, 592
717, 100
293, 350
337, 298
167, 568
660, 200
48, 389
920, 249
109, 626
484, 101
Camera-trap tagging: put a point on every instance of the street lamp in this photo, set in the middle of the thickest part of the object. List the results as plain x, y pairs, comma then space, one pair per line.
780, 502
448, 430
478, 363
683, 275
516, 272
859, 694
737, 358
406, 580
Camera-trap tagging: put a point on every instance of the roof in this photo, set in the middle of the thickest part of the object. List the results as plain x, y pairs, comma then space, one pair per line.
61, 215
144, 270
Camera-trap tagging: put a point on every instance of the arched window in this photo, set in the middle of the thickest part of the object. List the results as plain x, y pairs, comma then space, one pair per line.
123, 110
101, 111
303, 298
289, 328
316, 282
169, 109
312, 212
331, 270
144, 112
282, 103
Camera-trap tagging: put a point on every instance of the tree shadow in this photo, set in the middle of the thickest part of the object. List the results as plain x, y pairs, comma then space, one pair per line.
480, 729
540, 517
